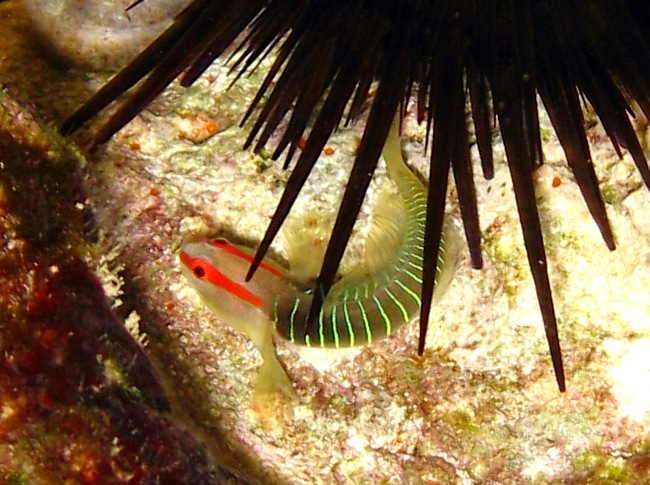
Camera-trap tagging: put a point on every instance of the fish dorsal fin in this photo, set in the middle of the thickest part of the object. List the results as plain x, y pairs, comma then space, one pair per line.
305, 239
390, 219
385, 236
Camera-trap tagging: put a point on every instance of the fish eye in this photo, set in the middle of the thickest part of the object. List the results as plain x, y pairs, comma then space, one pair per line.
199, 271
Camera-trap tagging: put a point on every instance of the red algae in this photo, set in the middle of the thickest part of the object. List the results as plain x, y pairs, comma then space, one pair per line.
63, 417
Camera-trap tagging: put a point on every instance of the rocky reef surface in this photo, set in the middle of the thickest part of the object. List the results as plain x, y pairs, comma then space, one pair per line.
113, 372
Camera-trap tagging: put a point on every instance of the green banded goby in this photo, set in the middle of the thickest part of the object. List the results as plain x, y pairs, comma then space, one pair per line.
370, 302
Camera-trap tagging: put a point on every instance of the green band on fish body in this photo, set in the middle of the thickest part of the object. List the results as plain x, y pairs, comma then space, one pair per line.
360, 311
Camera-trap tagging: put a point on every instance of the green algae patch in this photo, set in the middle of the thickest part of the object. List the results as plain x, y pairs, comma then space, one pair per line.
17, 478
596, 467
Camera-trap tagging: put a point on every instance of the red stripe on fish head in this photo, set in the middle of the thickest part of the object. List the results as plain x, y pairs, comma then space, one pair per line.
204, 271
232, 249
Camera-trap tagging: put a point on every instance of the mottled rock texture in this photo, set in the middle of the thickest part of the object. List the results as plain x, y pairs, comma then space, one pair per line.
481, 406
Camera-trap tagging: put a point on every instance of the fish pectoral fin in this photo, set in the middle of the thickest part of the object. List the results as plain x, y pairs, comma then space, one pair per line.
271, 375
273, 399
272, 378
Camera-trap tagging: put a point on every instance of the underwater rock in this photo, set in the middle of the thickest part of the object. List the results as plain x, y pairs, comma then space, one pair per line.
100, 34
81, 402
480, 406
